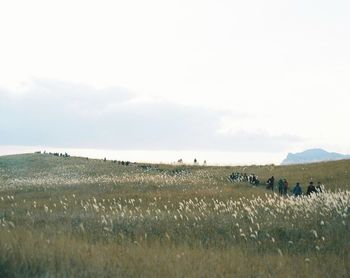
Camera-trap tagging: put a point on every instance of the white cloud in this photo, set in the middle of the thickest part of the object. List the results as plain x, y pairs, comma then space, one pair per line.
57, 113
282, 64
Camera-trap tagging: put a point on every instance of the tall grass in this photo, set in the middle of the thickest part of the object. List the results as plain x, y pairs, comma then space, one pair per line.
123, 221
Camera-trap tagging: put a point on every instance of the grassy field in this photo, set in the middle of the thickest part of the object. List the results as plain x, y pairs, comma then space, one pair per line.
78, 217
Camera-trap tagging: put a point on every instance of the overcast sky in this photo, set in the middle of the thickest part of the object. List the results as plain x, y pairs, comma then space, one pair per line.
230, 76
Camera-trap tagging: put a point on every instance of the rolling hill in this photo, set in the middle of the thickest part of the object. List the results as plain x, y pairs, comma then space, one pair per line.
313, 155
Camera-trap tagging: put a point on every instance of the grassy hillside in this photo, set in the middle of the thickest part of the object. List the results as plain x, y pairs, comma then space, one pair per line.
78, 217
49, 171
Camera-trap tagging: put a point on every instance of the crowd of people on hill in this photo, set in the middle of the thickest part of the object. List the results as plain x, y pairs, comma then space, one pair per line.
244, 177
54, 154
297, 191
282, 184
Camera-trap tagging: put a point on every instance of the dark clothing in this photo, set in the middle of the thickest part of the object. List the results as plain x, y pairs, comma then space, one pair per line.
311, 189
285, 188
280, 186
270, 183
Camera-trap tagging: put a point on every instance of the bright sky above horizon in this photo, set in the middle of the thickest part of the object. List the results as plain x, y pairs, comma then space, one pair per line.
237, 76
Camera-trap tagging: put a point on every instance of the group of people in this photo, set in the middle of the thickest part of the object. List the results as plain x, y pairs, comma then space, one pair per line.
297, 190
244, 177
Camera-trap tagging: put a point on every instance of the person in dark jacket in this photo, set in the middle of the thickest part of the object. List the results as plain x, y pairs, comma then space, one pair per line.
311, 189
319, 187
297, 191
280, 187
270, 183
285, 187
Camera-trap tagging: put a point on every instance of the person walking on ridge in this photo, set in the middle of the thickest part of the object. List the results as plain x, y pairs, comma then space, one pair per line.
311, 189
280, 187
319, 187
270, 183
285, 187
297, 191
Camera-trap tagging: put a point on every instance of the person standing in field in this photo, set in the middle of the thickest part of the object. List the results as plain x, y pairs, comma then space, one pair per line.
297, 191
311, 189
319, 187
270, 183
280, 187
285, 187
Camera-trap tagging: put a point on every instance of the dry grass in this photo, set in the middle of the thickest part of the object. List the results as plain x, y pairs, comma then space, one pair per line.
27, 254
74, 217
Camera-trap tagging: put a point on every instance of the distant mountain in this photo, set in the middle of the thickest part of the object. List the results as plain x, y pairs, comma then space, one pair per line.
312, 155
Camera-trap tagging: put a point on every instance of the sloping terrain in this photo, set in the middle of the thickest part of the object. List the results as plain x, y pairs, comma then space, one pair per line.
78, 217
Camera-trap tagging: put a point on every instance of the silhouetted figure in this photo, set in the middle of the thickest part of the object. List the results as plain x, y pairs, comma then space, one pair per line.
195, 161
253, 179
311, 189
280, 186
319, 187
297, 191
285, 188
270, 183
